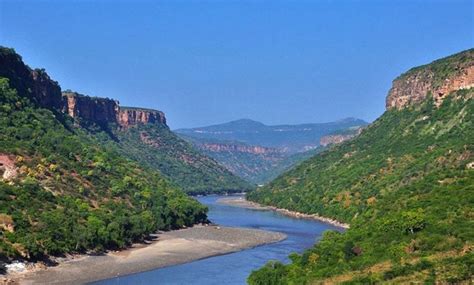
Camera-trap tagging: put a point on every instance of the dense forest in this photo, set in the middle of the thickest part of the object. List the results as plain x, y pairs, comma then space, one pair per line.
406, 187
61, 190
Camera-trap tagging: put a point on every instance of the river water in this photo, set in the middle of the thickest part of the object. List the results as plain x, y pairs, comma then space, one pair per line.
234, 268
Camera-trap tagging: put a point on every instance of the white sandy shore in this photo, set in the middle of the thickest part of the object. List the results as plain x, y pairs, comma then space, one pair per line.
242, 202
174, 247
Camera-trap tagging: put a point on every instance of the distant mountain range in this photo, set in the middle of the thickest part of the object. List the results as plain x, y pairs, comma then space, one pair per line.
288, 138
258, 152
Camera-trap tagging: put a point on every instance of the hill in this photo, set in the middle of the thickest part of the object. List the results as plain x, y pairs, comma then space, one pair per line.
405, 185
289, 138
142, 135
61, 190
259, 153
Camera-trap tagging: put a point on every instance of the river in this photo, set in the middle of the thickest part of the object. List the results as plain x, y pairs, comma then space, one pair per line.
234, 268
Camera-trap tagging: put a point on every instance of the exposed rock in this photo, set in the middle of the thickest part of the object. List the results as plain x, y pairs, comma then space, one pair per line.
440, 78
100, 110
6, 223
132, 116
8, 170
219, 147
334, 139
35, 84
46, 91
339, 138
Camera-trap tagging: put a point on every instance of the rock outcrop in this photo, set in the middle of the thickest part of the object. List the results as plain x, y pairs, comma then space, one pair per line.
105, 110
334, 139
128, 116
99, 110
221, 147
438, 78
33, 83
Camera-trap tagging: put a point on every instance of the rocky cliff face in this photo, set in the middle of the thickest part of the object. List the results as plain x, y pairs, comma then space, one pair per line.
334, 139
222, 147
105, 110
439, 78
36, 84
132, 116
99, 110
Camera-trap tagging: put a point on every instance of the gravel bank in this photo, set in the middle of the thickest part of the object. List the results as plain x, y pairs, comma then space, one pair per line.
171, 248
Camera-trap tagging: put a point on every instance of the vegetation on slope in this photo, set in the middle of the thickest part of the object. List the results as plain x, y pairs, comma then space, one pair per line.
158, 148
406, 186
70, 193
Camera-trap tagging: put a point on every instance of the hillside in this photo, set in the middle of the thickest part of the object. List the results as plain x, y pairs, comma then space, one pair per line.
405, 185
282, 146
61, 191
143, 136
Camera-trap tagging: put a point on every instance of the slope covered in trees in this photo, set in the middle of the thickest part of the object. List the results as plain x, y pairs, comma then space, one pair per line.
60, 190
405, 185
157, 147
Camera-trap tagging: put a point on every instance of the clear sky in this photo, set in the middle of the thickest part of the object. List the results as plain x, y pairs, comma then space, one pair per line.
206, 62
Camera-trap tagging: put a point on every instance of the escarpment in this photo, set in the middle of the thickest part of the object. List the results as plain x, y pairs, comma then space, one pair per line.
100, 110
438, 78
33, 83
128, 116
105, 110
253, 149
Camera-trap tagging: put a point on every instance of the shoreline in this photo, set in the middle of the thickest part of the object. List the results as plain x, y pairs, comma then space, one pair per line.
244, 203
170, 248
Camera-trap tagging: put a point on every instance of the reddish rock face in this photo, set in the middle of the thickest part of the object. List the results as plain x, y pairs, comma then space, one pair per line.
100, 110
132, 116
334, 139
35, 84
46, 91
219, 147
414, 86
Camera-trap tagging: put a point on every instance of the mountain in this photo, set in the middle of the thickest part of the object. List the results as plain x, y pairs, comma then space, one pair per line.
143, 136
61, 189
405, 185
259, 153
289, 138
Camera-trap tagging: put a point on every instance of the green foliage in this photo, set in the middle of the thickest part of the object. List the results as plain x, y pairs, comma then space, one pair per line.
405, 185
155, 146
71, 193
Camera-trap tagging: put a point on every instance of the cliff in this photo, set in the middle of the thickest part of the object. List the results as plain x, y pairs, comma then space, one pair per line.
33, 83
334, 139
438, 78
253, 149
105, 110
100, 110
128, 116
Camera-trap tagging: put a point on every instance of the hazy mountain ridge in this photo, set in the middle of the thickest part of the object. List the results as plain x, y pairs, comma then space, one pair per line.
283, 146
290, 138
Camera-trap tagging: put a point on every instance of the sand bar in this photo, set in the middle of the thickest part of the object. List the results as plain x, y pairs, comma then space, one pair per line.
171, 248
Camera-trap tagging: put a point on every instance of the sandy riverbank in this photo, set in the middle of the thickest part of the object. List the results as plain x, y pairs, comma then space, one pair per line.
242, 202
171, 248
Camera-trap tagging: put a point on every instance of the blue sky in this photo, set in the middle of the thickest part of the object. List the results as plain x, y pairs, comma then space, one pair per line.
206, 62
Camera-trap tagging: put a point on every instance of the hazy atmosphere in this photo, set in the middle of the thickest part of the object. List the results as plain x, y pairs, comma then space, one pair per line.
207, 62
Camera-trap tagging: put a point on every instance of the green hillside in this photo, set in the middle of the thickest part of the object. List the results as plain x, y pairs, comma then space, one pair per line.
405, 185
60, 190
176, 159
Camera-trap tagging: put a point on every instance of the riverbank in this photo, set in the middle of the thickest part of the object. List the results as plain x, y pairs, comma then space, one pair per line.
171, 248
242, 202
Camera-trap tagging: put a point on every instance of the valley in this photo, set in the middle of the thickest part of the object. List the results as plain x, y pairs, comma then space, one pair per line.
236, 142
